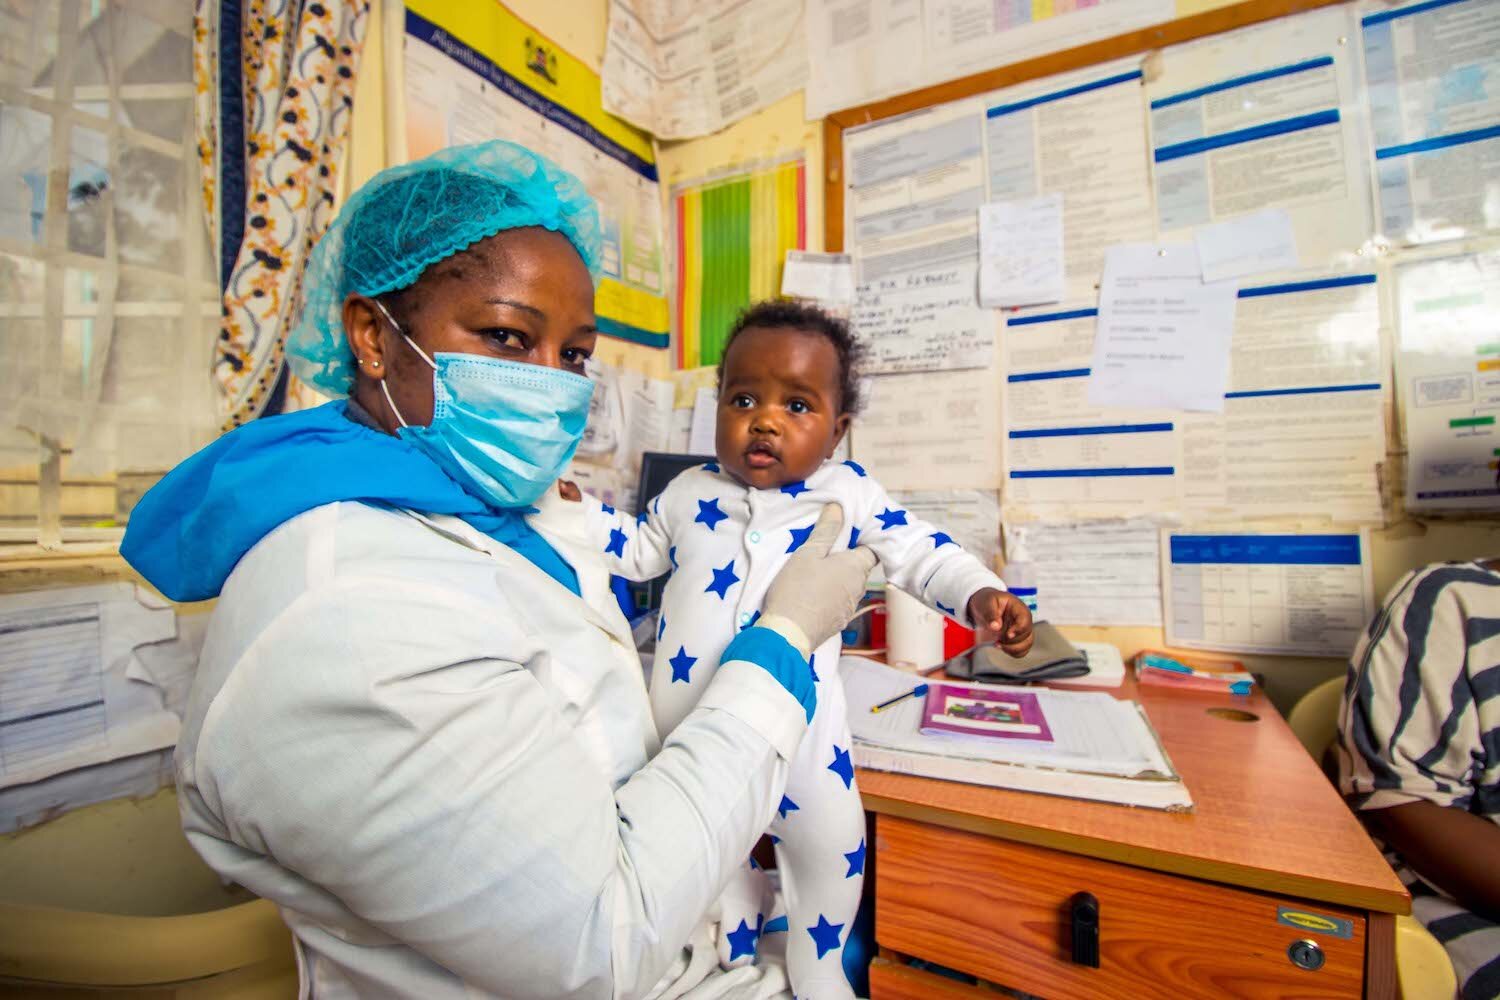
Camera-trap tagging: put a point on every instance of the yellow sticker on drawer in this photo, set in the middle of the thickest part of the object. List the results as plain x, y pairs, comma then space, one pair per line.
1315, 922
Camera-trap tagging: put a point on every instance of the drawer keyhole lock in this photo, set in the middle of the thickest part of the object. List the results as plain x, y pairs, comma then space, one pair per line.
1305, 955
1085, 926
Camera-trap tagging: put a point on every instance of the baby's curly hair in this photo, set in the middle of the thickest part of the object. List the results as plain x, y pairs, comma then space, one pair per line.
797, 315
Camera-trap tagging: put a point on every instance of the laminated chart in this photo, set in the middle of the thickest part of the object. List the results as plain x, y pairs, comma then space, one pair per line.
1293, 594
1082, 136
1448, 374
1065, 458
1264, 117
1434, 94
915, 185
1302, 430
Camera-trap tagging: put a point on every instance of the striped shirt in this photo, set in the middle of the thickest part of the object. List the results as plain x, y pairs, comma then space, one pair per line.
1421, 722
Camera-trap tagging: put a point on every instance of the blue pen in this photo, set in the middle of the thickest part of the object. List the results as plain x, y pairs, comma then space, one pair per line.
920, 689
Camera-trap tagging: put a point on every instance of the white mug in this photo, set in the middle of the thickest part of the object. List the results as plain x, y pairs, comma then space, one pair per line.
913, 631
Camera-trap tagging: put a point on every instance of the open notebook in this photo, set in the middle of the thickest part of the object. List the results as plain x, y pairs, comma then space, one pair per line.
1099, 747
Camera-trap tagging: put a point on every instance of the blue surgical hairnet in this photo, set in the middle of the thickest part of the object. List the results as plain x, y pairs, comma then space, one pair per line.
407, 218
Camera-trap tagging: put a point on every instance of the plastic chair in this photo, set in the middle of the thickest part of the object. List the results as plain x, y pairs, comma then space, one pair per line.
1423, 968
77, 920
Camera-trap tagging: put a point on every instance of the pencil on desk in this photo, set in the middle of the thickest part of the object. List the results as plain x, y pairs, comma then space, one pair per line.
920, 689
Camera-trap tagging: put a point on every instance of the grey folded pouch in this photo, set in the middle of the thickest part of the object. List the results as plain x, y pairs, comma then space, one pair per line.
1051, 657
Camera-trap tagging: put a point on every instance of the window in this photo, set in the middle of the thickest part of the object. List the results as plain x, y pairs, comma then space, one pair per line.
108, 301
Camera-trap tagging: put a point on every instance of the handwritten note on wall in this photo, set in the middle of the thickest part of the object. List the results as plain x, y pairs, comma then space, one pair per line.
924, 321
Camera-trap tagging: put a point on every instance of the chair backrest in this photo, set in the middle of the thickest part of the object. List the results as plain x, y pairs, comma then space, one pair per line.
1315, 717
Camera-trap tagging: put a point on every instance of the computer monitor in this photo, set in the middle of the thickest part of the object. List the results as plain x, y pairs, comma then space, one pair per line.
658, 468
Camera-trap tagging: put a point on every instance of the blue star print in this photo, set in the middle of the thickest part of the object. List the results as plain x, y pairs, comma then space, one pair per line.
723, 579
672, 556
656, 505
641, 518
859, 470
842, 765
812, 665
799, 536
776, 925
825, 935
682, 664
710, 466
787, 805
856, 859
709, 513
661, 627
742, 939
795, 489
945, 609
753, 619
942, 538
606, 508
890, 518
616, 542
853, 537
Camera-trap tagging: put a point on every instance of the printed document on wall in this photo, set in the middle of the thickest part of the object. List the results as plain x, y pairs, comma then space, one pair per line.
931, 431
1093, 572
972, 517
1081, 136
1434, 94
1292, 594
1302, 430
1448, 374
685, 70
1164, 332
1265, 117
1021, 252
915, 185
870, 49
1065, 458
71, 694
468, 78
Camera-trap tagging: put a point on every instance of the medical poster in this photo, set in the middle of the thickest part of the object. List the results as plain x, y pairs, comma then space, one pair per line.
1434, 91
914, 187
870, 49
1081, 136
1303, 428
476, 72
1063, 457
1290, 594
1448, 381
1267, 116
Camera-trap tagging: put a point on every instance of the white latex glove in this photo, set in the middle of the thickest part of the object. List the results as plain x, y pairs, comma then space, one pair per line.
816, 593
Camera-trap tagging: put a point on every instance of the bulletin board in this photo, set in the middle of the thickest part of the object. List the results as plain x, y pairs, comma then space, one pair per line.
1362, 378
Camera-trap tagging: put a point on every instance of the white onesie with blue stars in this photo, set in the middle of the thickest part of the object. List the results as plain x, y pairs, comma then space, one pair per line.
725, 542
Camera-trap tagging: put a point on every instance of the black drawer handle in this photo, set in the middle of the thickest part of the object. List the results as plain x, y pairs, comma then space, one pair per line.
1085, 925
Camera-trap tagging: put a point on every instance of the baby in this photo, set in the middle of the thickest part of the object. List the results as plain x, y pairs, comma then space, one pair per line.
787, 392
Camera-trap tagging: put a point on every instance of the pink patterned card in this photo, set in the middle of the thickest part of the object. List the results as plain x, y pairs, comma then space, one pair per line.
955, 710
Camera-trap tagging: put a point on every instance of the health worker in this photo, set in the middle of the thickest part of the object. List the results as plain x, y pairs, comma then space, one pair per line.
419, 724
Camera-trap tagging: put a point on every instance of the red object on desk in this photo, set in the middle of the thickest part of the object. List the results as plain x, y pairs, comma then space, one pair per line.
956, 638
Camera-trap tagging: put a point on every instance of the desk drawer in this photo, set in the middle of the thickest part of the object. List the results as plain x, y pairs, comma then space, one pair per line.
1000, 911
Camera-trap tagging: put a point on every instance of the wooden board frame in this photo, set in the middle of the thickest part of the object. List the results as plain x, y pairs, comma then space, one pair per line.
1144, 40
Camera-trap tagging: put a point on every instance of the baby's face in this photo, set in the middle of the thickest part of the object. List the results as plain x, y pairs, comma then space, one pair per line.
778, 406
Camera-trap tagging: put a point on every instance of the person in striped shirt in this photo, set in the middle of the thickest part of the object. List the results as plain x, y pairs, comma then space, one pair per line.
1419, 754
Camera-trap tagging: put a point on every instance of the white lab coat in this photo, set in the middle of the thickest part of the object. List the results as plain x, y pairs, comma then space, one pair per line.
441, 765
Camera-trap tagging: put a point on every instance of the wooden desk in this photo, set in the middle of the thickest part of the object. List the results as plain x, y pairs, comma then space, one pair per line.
980, 879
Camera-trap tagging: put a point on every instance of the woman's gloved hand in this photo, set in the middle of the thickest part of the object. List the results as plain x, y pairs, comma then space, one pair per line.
816, 593
811, 598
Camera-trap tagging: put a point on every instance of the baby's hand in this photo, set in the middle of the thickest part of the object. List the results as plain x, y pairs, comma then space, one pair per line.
569, 491
1002, 618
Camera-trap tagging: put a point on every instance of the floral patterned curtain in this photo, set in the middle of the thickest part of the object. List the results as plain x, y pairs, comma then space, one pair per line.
275, 96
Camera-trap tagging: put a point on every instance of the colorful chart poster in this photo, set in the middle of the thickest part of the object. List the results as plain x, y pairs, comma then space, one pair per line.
732, 236
476, 72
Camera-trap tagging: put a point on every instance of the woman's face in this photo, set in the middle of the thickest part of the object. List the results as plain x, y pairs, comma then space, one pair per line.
521, 295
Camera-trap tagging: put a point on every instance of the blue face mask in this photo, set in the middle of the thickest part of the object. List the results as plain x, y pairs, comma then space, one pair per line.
502, 430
